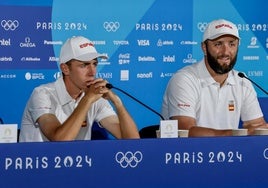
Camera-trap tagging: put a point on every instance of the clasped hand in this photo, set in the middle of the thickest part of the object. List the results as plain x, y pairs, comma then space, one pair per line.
98, 88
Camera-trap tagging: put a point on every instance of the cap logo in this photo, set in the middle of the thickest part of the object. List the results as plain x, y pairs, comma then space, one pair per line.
223, 25
86, 44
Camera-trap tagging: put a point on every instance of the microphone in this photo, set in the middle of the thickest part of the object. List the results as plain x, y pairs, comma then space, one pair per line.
110, 86
240, 74
1, 121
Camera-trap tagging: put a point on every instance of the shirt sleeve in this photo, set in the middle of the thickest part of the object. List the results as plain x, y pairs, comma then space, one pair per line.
182, 95
102, 109
41, 103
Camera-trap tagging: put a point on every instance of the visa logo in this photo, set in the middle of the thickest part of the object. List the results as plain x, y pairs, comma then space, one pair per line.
143, 42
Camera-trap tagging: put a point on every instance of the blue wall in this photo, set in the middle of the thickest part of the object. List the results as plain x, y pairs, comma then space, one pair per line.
147, 41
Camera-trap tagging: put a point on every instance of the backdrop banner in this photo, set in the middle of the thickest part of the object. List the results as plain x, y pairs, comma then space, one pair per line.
146, 41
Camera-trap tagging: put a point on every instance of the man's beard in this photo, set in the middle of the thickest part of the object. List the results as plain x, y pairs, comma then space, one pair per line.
218, 68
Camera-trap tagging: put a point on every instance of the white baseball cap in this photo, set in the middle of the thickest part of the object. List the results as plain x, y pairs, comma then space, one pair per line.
79, 48
218, 28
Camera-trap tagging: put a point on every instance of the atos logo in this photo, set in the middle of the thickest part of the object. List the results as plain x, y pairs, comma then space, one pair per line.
128, 159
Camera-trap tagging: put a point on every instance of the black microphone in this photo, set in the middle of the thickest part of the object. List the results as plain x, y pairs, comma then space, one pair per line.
1, 121
110, 86
240, 74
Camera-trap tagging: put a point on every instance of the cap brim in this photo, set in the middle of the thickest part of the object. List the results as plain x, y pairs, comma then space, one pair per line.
219, 35
91, 56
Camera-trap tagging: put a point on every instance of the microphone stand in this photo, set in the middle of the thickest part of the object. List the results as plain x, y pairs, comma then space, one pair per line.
109, 86
242, 75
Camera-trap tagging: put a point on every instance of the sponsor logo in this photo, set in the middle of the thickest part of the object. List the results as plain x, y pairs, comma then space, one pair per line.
145, 75
124, 75
104, 75
166, 74
57, 75
53, 58
164, 43
104, 62
169, 59
255, 73
47, 42
8, 76
120, 42
99, 42
124, 58
143, 42
34, 76
30, 59
146, 58
6, 58
5, 42
251, 58
187, 42
253, 43
27, 43
189, 59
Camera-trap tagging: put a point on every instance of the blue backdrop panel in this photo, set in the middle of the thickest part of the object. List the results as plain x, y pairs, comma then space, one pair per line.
147, 41
184, 162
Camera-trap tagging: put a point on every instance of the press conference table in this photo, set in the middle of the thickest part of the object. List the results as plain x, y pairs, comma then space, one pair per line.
173, 162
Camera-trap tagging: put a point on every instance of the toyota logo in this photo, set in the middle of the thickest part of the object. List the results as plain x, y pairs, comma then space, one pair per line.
128, 159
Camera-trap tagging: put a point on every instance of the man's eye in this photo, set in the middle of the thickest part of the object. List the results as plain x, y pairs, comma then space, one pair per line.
84, 65
217, 44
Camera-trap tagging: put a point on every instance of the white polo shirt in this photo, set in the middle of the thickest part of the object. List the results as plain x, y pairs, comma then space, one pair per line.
54, 99
193, 92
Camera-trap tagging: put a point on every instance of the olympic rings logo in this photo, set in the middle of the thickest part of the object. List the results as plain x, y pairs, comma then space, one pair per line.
111, 26
202, 26
128, 159
9, 24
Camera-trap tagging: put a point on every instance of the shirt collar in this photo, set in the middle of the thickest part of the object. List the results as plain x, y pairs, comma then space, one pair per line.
206, 78
63, 95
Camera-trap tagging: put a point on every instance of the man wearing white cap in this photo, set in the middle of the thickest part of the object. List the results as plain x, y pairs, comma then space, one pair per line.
209, 98
66, 109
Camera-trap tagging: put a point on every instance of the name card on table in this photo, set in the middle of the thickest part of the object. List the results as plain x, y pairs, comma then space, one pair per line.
169, 129
8, 133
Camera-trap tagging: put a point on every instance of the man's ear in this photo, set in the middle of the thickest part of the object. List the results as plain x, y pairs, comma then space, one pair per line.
203, 46
64, 68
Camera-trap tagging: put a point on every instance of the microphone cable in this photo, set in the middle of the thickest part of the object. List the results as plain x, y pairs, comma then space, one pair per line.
110, 86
